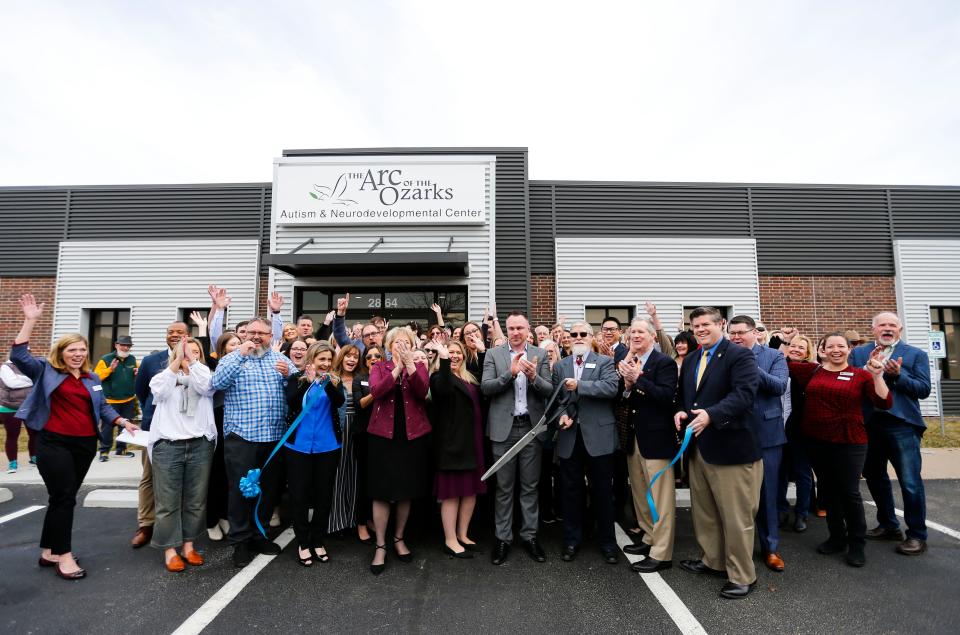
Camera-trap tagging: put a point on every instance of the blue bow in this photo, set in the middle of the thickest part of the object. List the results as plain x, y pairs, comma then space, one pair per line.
683, 446
250, 484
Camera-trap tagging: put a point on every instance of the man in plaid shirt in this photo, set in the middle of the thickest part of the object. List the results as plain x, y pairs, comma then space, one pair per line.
252, 379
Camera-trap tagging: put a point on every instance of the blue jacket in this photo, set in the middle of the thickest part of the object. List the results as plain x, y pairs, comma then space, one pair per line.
768, 406
153, 364
727, 392
35, 410
908, 389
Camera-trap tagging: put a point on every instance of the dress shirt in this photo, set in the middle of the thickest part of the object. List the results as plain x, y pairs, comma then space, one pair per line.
519, 388
254, 400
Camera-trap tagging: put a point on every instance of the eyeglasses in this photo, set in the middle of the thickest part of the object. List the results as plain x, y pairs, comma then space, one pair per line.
609, 329
579, 334
298, 349
260, 333
738, 333
761, 328
374, 356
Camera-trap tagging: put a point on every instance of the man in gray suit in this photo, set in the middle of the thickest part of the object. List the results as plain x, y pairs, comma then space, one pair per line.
516, 379
587, 436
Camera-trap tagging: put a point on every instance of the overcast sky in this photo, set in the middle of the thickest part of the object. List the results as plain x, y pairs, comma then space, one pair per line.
202, 92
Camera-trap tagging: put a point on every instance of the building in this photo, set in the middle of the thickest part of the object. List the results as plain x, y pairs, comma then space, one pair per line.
400, 228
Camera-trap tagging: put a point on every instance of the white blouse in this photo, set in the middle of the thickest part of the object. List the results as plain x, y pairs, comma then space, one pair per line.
183, 406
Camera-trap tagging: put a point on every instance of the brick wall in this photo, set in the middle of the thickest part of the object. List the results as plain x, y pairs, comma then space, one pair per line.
262, 306
11, 318
543, 299
820, 304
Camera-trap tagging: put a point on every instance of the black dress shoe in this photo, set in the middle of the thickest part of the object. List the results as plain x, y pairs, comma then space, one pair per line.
266, 547
881, 533
241, 554
534, 550
500, 552
76, 575
734, 591
569, 553
650, 565
637, 550
697, 566
830, 547
610, 556
460, 555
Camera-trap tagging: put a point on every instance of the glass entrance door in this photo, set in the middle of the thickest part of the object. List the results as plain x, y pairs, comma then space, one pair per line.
399, 306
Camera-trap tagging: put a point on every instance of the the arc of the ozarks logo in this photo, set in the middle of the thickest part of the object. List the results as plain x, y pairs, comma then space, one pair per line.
333, 194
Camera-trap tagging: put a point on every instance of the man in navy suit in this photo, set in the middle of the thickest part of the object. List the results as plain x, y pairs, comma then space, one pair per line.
649, 388
768, 424
150, 366
894, 435
718, 387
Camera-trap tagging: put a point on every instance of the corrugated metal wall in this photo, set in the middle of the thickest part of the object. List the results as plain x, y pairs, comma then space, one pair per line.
153, 279
591, 272
924, 213
541, 228
33, 221
928, 275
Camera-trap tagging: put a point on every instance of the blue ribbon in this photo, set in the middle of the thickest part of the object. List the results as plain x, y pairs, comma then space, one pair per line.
683, 447
250, 484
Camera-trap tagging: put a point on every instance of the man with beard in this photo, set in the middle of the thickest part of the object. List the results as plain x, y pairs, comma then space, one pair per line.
252, 379
516, 380
893, 436
587, 438
151, 365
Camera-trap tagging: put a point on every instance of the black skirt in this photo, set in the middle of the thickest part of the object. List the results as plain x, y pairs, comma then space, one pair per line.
398, 469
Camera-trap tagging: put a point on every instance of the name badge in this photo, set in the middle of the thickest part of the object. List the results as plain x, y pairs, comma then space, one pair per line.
364, 383
590, 365
843, 378
97, 388
846, 374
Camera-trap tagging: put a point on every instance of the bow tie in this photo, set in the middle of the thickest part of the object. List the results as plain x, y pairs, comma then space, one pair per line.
579, 360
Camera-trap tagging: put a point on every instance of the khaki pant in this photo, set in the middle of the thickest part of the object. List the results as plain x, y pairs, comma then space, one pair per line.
145, 506
724, 501
660, 535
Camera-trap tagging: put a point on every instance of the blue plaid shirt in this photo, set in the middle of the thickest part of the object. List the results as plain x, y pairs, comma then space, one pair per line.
254, 401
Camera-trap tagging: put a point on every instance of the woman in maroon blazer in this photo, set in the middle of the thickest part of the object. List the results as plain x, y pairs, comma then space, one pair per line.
398, 450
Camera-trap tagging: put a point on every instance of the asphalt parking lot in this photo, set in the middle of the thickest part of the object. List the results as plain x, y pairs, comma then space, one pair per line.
129, 591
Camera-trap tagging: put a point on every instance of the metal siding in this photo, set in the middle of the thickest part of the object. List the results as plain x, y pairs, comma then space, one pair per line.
474, 239
928, 275
512, 232
822, 231
153, 279
951, 398
617, 271
32, 221
542, 259
926, 213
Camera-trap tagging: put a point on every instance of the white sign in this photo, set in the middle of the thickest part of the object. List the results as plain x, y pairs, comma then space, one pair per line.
379, 190
936, 344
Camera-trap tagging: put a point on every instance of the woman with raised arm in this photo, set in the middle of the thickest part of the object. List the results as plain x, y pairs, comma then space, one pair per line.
397, 441
475, 349
64, 406
183, 436
458, 443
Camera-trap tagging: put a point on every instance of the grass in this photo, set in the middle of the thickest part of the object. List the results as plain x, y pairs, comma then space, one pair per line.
932, 437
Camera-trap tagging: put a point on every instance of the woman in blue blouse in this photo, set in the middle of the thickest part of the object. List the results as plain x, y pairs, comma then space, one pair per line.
312, 452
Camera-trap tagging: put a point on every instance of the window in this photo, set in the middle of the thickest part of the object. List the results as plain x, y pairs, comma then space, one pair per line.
399, 306
595, 315
106, 325
947, 319
193, 328
687, 310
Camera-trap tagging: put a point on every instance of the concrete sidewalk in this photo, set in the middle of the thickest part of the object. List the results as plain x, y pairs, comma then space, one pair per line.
119, 471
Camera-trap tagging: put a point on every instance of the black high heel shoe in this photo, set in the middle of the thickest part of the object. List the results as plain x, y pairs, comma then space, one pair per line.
377, 569
304, 562
459, 555
402, 557
471, 546
324, 557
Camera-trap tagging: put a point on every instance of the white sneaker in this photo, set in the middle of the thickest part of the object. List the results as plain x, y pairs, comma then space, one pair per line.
215, 533
275, 519
224, 526
13, 469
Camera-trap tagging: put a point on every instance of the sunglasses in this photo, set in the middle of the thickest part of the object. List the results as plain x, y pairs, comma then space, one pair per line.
579, 333
374, 356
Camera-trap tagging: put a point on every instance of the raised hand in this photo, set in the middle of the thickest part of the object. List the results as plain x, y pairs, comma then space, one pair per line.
114, 363
212, 291
436, 308
276, 302
275, 345
477, 342
31, 310
515, 364
652, 312
342, 304
787, 333
604, 347
222, 301
247, 347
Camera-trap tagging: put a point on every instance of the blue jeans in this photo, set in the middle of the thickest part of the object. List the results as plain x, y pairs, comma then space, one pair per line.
795, 467
892, 439
127, 410
181, 471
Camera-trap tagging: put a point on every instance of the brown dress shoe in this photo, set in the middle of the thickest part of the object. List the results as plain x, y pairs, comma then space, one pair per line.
774, 562
142, 537
912, 547
193, 558
176, 564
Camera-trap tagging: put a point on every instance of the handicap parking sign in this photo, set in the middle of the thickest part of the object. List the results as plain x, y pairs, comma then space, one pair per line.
936, 345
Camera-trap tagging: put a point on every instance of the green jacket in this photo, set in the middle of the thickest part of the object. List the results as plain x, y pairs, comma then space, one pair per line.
119, 383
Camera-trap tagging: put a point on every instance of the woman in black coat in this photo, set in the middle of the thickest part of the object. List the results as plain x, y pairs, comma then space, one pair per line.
363, 405
458, 442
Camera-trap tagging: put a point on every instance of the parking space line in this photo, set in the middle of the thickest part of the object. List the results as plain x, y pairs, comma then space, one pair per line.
22, 512
953, 533
665, 595
219, 600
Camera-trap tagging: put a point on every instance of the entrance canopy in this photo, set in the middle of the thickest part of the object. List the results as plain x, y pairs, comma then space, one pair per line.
450, 263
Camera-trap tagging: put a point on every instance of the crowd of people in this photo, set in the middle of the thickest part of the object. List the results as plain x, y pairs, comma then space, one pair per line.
352, 425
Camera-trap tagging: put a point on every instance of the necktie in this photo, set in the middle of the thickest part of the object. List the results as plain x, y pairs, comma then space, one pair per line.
704, 359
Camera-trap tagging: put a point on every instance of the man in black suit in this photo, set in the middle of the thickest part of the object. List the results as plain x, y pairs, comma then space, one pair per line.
648, 390
718, 386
